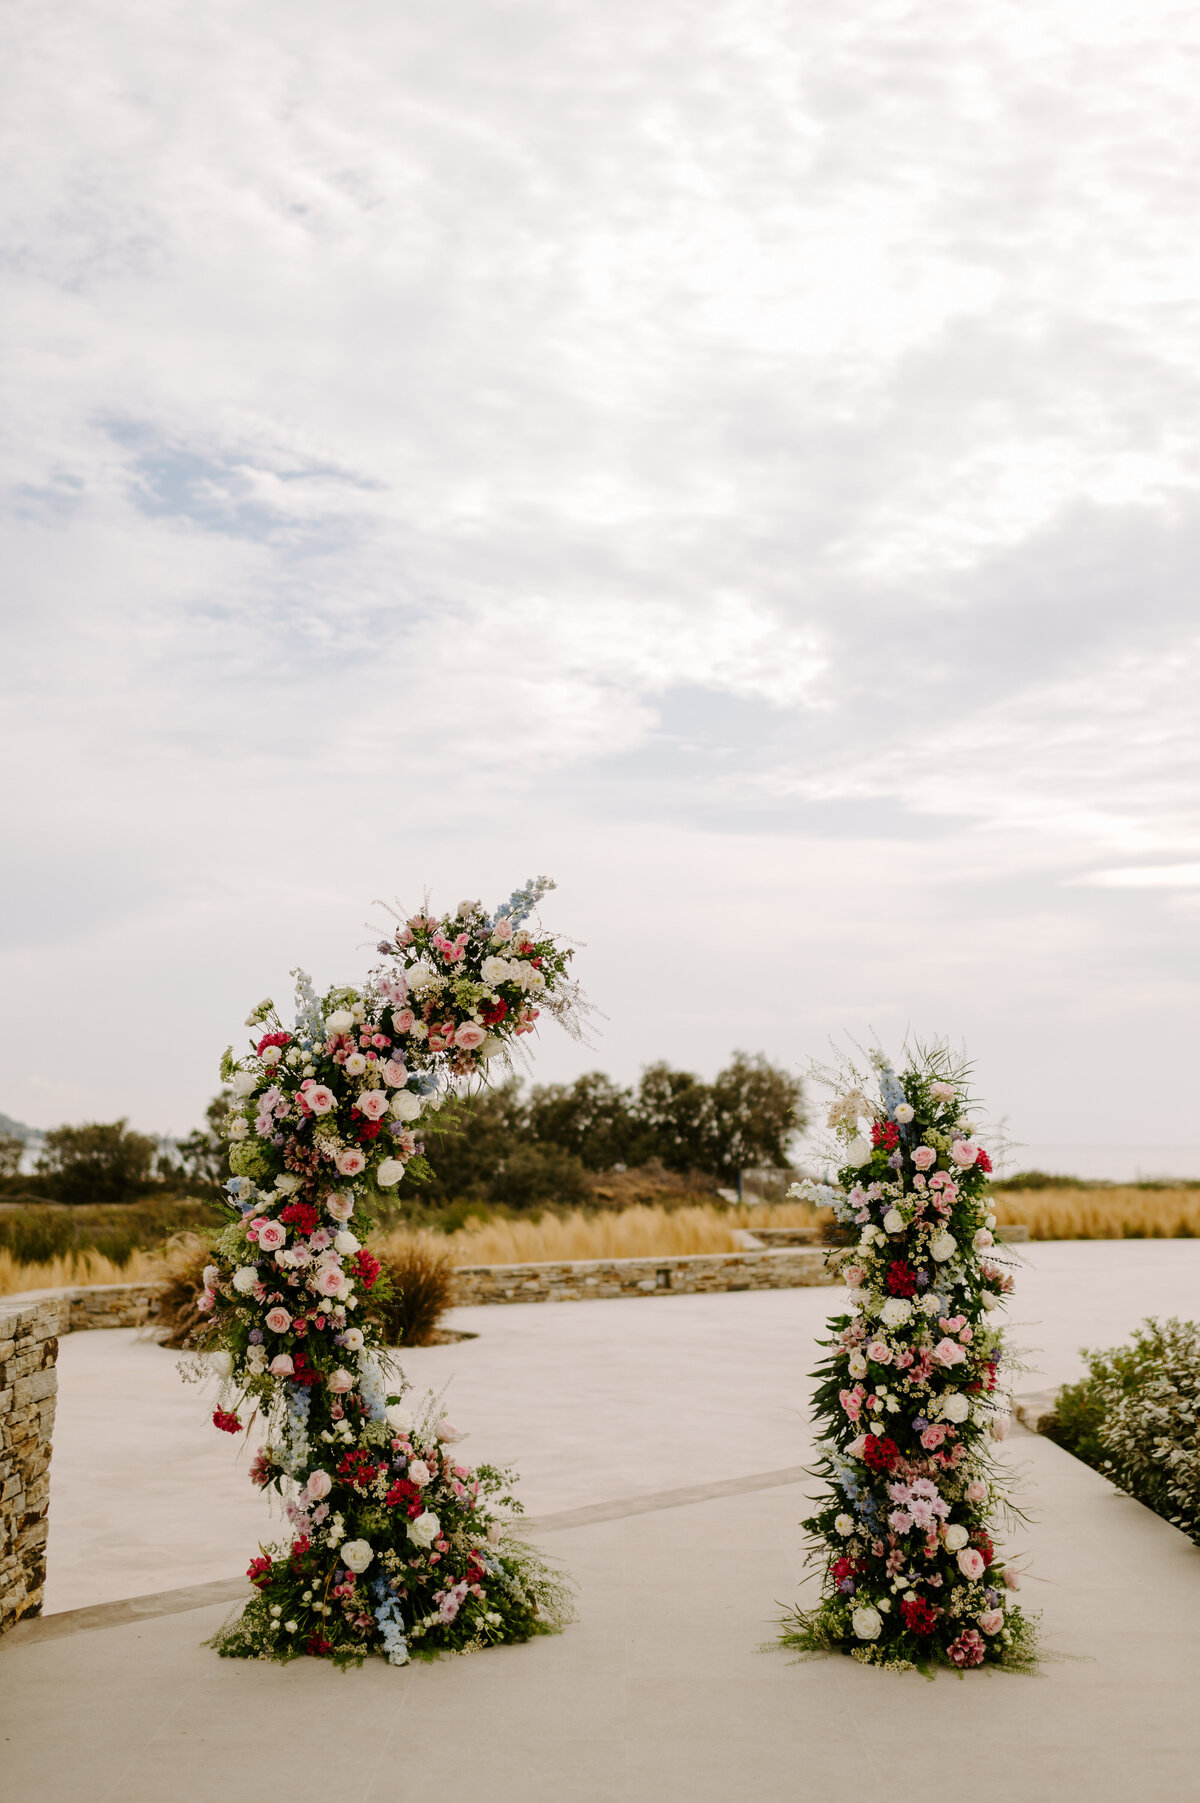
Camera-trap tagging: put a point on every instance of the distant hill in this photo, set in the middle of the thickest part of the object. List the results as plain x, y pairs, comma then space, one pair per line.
18, 1128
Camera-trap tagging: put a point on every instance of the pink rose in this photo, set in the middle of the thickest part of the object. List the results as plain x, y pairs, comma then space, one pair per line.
924, 1157
350, 1162
447, 1431
976, 1492
319, 1484
853, 1275
942, 1092
964, 1152
340, 1207
991, 1621
857, 1447
341, 1382
932, 1438
502, 930
205, 1301
395, 1073
281, 1365
319, 1099
402, 1020
469, 1036
998, 1427
970, 1562
949, 1352
212, 1276
329, 1280
1012, 1578
271, 1236
374, 1104
880, 1351
278, 1320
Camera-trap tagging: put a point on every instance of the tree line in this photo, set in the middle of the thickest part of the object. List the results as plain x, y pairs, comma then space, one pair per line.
511, 1146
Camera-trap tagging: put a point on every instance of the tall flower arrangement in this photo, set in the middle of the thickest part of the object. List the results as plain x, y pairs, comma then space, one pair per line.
909, 1397
396, 1546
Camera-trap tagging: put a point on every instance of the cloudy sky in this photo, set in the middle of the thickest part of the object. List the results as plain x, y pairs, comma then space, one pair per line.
737, 456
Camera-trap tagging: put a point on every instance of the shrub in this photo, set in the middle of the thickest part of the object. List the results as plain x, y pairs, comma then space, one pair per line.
180, 1322
98, 1162
421, 1289
1134, 1417
36, 1234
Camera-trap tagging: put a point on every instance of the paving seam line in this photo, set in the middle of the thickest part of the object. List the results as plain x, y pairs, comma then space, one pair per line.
232, 1590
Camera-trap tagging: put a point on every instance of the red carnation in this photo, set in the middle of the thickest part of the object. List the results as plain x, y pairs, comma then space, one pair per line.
984, 1542
258, 1571
301, 1215
901, 1278
366, 1268
366, 1130
228, 1424
881, 1454
919, 1616
494, 1013
982, 1160
401, 1491
272, 1039
317, 1647
885, 1134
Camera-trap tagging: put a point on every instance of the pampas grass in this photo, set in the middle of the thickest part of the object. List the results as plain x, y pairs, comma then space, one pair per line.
1102, 1214
75, 1268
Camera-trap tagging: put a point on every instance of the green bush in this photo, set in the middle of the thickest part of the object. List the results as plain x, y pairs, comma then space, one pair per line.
1134, 1417
37, 1233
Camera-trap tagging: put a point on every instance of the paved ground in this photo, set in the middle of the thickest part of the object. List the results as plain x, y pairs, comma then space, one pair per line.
658, 1690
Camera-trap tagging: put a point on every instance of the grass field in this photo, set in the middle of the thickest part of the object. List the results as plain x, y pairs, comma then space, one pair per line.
650, 1231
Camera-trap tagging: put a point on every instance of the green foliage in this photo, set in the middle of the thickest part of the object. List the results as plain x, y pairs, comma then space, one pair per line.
202, 1159
1134, 1417
11, 1149
98, 1162
37, 1233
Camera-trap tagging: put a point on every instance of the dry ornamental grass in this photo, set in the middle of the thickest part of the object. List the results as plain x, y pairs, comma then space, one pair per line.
1102, 1214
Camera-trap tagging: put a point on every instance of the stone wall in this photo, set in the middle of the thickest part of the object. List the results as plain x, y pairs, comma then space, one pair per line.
98, 1304
588, 1280
29, 1335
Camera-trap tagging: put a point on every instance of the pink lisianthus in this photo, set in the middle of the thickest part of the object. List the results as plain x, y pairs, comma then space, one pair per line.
857, 1447
1012, 1578
469, 1036
998, 1427
281, 1365
924, 1157
968, 1649
976, 1491
340, 1381
374, 1104
278, 1320
394, 1073
206, 1301
350, 1162
991, 1621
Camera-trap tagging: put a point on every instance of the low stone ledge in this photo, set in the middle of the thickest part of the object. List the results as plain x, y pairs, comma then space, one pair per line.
29, 1334
86, 1306
590, 1280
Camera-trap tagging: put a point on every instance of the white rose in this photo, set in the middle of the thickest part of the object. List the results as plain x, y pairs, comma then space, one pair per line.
858, 1151
340, 1021
896, 1311
490, 1046
989, 1299
425, 1529
955, 1407
346, 1243
982, 1240
389, 1172
495, 970
420, 976
418, 1472
221, 1363
858, 1365
244, 1279
844, 1525
406, 1106
893, 1221
357, 1554
904, 1113
244, 1084
989, 1220
942, 1246
355, 1065
956, 1537
256, 1359
287, 1183
867, 1623
399, 1418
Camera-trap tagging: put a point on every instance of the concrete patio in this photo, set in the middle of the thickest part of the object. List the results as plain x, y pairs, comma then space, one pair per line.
659, 1689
